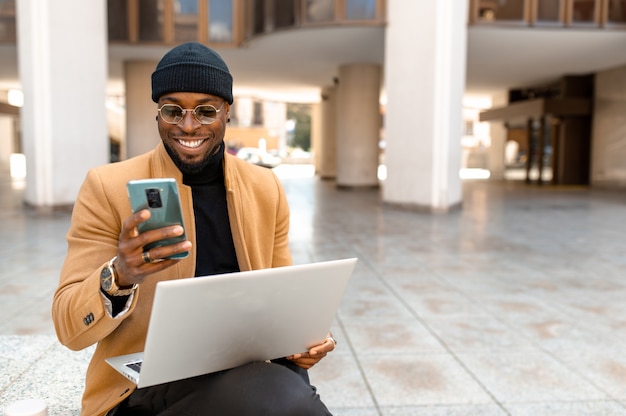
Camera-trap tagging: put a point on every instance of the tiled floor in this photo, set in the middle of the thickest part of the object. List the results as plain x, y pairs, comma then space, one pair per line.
512, 305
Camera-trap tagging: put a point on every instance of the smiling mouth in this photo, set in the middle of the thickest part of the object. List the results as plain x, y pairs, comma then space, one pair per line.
191, 144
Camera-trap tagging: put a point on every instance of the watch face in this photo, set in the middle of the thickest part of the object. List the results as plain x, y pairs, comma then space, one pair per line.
106, 279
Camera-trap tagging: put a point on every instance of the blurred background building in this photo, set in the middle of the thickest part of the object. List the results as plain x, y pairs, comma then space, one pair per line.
409, 96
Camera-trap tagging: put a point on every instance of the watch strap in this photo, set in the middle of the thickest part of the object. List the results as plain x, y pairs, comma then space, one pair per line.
115, 289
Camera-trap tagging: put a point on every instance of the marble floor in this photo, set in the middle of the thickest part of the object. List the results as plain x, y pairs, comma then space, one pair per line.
512, 305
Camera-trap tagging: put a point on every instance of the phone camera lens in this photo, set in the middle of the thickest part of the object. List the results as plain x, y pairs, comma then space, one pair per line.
154, 198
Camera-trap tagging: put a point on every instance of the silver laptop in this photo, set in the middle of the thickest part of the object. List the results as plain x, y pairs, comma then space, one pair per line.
207, 324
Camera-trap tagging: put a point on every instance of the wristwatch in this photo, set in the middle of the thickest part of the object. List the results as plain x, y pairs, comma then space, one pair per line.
108, 281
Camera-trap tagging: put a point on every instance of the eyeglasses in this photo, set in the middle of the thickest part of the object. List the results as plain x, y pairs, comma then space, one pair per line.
174, 114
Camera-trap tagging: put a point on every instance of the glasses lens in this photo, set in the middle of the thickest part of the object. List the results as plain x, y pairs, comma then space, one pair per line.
171, 113
206, 114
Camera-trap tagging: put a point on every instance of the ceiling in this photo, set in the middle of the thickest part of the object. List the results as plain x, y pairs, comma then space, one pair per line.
517, 57
293, 65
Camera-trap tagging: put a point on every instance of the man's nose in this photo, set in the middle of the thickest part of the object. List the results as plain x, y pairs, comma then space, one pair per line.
189, 121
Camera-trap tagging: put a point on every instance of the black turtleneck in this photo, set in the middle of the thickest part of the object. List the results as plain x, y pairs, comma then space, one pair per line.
215, 251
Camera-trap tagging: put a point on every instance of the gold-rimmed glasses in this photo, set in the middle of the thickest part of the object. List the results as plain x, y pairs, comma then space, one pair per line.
174, 114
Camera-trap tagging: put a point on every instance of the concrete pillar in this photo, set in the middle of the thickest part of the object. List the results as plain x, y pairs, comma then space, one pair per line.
274, 121
316, 135
62, 49
498, 134
244, 108
358, 127
608, 140
496, 152
7, 132
142, 133
425, 51
327, 150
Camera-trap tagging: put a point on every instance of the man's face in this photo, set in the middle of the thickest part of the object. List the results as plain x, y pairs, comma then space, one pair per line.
189, 142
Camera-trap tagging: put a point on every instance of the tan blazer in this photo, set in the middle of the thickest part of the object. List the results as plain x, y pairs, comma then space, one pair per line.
259, 220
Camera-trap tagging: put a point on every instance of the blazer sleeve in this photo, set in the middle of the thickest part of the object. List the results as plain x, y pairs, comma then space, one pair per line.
78, 310
281, 253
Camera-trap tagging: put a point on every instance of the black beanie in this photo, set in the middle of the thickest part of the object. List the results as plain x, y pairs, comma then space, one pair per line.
192, 67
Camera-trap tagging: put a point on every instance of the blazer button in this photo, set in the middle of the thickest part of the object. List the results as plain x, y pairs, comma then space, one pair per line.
88, 319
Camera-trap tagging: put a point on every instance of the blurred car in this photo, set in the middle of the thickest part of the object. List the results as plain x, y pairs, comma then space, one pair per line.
255, 156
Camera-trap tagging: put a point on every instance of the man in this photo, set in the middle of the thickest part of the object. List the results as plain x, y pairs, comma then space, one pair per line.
237, 219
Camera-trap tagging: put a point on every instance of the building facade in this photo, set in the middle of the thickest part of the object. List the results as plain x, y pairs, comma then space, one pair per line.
381, 74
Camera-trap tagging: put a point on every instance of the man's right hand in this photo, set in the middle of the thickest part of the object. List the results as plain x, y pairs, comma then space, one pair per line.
130, 265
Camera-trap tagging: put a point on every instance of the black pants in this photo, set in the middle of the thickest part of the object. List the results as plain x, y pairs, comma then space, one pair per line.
255, 389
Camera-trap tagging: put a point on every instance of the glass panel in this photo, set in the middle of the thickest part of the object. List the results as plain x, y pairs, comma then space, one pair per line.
501, 10
360, 9
584, 11
117, 20
617, 11
548, 11
258, 114
185, 20
151, 20
320, 10
221, 21
284, 13
8, 32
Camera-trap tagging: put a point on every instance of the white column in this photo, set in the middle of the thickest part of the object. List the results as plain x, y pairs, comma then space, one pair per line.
608, 140
142, 133
7, 132
496, 152
358, 126
316, 135
498, 134
327, 157
62, 49
425, 50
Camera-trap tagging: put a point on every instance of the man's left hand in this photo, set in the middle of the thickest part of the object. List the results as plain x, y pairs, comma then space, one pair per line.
307, 360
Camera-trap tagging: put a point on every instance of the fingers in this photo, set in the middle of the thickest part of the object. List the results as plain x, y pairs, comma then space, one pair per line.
129, 226
327, 346
133, 263
145, 255
130, 233
307, 360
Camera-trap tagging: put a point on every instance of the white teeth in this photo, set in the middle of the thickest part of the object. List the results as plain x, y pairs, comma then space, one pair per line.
191, 144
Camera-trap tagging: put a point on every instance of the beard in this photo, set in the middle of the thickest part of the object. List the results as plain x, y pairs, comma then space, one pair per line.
189, 168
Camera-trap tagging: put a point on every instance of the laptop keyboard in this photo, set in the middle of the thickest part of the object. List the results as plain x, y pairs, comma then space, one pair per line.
134, 365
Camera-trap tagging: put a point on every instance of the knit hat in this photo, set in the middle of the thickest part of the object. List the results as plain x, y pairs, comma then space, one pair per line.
192, 67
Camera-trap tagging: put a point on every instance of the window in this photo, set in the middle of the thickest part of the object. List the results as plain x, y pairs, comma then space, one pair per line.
284, 13
320, 10
501, 10
617, 11
185, 20
7, 21
257, 119
468, 127
221, 21
117, 13
360, 9
258, 16
584, 11
549, 11
151, 20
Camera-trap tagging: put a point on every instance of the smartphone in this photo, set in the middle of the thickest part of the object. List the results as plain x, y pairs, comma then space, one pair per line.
160, 196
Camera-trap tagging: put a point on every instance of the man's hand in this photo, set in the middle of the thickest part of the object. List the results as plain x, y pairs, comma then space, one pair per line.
131, 266
307, 360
